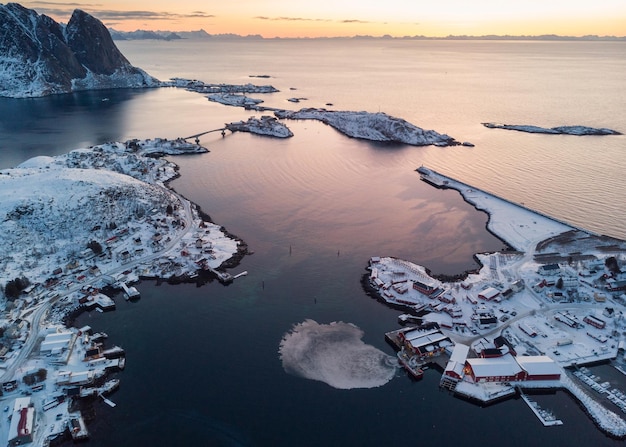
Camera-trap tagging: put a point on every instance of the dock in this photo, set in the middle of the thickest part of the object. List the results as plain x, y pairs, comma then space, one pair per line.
77, 427
129, 292
545, 417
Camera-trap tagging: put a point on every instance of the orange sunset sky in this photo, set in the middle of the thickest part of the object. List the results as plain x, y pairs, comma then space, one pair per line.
317, 18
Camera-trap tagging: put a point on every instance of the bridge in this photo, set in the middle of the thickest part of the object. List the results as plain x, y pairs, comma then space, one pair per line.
198, 135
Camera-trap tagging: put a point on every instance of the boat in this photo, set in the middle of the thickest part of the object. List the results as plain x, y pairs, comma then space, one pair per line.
410, 364
108, 387
113, 352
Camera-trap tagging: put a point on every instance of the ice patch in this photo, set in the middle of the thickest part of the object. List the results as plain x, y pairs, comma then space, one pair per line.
335, 354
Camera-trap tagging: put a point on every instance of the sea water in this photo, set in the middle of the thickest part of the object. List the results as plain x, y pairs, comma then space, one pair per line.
204, 366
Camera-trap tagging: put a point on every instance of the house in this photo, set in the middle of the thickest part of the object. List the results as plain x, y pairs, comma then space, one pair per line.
549, 269
22, 422
615, 286
454, 368
489, 294
424, 288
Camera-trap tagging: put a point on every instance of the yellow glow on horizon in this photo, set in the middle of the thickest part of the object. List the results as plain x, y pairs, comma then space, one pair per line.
326, 18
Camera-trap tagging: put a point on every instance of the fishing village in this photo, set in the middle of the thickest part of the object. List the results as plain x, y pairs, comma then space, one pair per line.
529, 320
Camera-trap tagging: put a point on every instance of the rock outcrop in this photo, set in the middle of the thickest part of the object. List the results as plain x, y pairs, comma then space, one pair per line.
39, 56
372, 126
560, 130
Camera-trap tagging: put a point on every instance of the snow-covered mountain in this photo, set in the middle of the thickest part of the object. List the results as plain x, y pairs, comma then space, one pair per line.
39, 56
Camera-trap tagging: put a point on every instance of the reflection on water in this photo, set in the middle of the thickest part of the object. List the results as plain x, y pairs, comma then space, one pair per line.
58, 123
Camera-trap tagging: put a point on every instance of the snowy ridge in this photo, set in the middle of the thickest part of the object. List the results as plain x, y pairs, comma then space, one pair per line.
372, 126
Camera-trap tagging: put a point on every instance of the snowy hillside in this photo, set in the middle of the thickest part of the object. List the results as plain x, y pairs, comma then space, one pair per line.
52, 208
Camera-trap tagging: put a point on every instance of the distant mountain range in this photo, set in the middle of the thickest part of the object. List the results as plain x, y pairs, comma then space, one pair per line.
39, 56
173, 35
202, 34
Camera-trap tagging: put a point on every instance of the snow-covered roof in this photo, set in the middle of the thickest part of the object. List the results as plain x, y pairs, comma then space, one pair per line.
495, 367
459, 354
538, 365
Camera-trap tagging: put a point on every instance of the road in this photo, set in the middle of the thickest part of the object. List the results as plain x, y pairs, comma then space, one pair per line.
42, 308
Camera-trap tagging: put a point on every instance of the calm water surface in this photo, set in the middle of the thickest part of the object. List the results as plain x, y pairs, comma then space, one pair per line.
203, 366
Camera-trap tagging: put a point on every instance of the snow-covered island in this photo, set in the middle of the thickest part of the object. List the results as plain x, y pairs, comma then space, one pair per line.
71, 226
371, 126
194, 85
266, 125
531, 317
560, 130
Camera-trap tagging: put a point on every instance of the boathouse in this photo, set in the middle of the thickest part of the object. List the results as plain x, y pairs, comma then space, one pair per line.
497, 369
539, 367
424, 344
454, 367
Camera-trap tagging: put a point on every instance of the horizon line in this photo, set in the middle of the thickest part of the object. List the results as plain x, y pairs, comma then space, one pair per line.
587, 37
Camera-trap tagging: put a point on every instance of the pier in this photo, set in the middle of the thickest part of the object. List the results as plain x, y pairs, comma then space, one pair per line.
130, 292
441, 181
545, 416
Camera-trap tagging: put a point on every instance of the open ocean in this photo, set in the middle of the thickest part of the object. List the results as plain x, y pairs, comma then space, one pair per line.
203, 366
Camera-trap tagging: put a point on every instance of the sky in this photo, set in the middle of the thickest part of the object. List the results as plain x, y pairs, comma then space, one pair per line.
332, 18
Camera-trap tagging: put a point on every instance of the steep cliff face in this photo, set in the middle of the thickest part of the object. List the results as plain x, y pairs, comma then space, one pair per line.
39, 57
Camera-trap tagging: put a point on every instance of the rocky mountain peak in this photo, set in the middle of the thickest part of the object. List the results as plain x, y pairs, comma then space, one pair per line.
38, 56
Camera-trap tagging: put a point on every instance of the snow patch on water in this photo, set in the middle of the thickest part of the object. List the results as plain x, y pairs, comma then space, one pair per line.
335, 354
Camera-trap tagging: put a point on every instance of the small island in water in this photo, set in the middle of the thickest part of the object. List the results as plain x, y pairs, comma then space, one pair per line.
560, 130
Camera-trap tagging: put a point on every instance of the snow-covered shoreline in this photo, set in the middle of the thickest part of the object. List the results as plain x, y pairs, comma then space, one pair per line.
73, 224
558, 297
372, 126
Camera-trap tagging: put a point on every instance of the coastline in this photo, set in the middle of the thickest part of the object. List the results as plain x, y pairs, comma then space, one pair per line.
151, 231
483, 306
